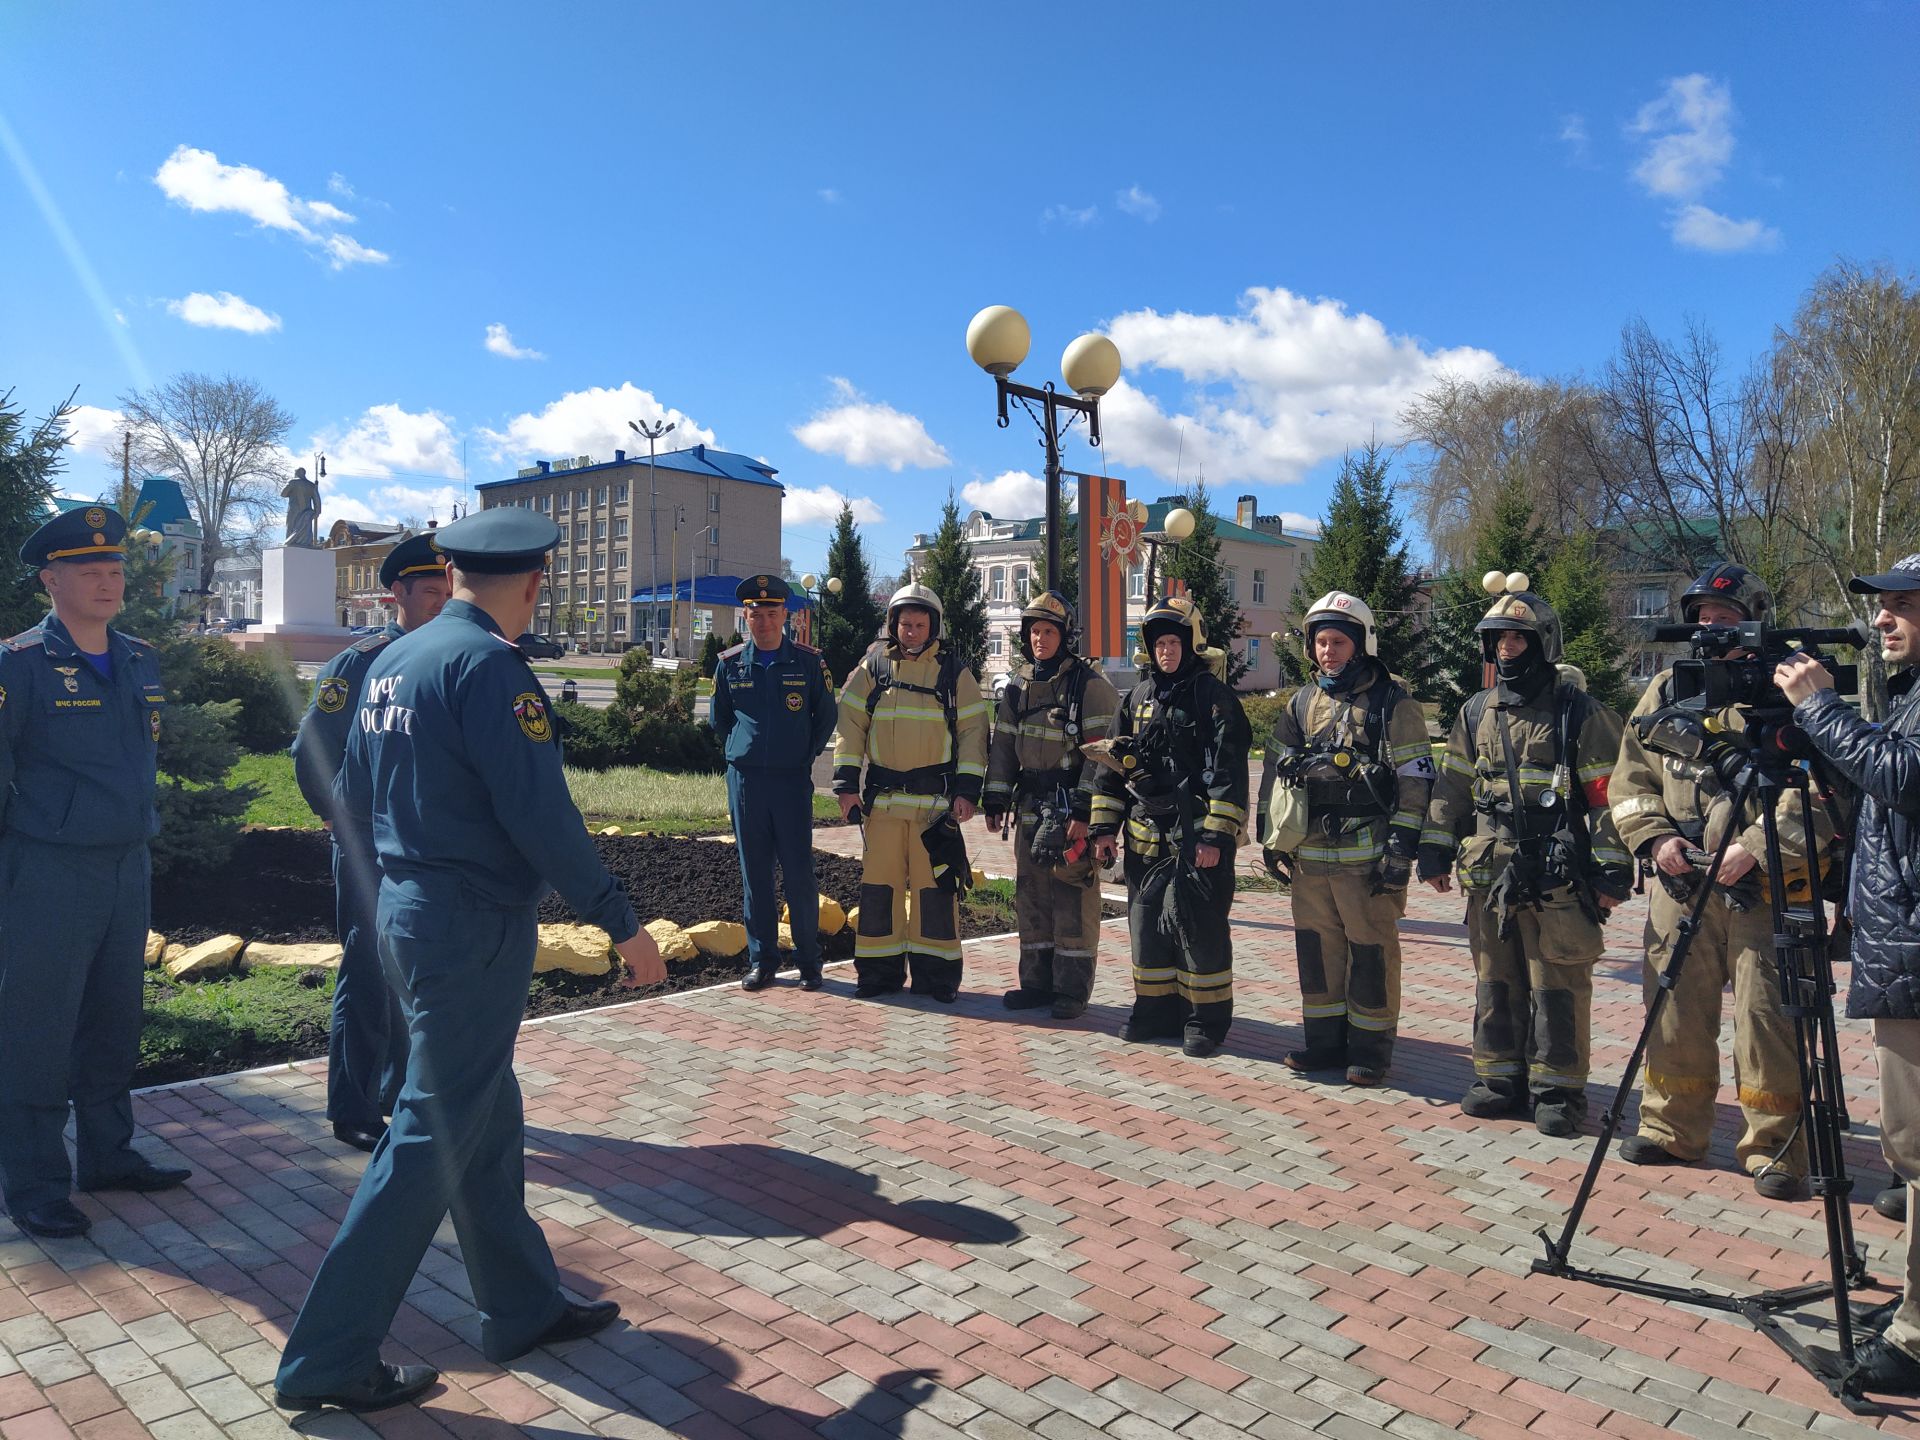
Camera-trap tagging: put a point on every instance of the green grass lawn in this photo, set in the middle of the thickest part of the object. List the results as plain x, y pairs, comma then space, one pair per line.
280, 801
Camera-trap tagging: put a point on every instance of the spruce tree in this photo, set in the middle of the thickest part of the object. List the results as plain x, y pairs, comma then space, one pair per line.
848, 622
950, 573
1197, 562
1362, 553
1575, 584
1069, 583
30, 456
1512, 541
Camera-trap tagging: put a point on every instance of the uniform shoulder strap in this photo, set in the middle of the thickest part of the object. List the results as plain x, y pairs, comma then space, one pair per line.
27, 639
371, 644
733, 650
880, 666
1473, 710
1381, 702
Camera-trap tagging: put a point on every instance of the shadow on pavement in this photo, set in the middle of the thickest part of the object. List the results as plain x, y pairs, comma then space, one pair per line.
743, 1190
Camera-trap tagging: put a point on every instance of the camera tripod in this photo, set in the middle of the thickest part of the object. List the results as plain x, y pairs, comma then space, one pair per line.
1806, 992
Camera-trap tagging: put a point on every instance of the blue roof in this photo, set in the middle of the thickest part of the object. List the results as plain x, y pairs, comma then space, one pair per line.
698, 459
162, 503
719, 591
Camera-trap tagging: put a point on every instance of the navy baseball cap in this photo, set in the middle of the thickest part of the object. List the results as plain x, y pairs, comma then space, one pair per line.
1905, 575
508, 540
416, 555
86, 532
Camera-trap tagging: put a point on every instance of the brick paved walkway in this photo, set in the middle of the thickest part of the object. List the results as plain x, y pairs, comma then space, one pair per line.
854, 1220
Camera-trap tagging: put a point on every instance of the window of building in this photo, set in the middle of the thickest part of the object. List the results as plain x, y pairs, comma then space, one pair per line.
600, 496
620, 529
579, 594
619, 559
1137, 583
1649, 602
1022, 584
1253, 651
580, 499
713, 566
713, 539
599, 594
620, 622
1133, 643
546, 504
620, 493
579, 530
599, 560
599, 529
713, 502
566, 500
997, 586
997, 645
1259, 593
1233, 582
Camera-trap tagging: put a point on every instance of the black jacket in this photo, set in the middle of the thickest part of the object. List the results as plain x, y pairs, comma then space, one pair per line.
1884, 887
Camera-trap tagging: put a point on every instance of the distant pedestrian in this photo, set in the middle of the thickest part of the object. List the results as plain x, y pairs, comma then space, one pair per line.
81, 709
774, 713
367, 1040
453, 763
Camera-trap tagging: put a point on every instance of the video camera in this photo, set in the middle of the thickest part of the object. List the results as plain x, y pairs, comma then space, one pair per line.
1731, 667
1733, 664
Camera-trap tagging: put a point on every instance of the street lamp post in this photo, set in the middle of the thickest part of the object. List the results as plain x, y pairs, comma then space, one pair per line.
653, 431
1177, 526
811, 586
998, 339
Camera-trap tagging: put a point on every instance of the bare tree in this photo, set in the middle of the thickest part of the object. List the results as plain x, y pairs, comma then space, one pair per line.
222, 439
1848, 377
1471, 438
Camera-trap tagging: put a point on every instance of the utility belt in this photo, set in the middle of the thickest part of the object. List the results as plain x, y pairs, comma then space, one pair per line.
921, 780
1530, 824
1043, 786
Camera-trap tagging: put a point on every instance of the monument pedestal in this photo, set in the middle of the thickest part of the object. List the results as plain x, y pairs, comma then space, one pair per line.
297, 605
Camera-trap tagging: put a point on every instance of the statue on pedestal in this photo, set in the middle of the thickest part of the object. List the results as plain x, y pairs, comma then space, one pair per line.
303, 511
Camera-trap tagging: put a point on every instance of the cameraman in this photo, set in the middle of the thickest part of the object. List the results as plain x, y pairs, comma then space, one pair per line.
1669, 811
1883, 762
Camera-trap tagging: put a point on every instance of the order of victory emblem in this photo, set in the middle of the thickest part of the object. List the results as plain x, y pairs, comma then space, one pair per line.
1120, 536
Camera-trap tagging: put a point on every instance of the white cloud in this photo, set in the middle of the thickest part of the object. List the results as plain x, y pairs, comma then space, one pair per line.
94, 432
592, 422
1011, 495
1069, 215
1690, 137
1573, 134
199, 180
1298, 524
1138, 203
829, 196
500, 342
1699, 228
821, 506
339, 185
1272, 390
386, 439
866, 432
224, 311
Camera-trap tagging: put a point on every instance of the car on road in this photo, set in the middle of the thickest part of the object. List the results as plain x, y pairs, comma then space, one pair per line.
1000, 683
540, 647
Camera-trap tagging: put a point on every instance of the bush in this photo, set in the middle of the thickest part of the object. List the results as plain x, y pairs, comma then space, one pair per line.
1262, 710
603, 739
208, 669
200, 811
216, 1025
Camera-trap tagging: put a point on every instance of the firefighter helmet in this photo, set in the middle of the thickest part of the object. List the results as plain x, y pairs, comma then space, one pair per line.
1521, 609
1053, 607
913, 594
1732, 585
1337, 605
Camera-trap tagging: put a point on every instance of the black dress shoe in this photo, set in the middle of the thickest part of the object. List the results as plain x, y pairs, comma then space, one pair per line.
386, 1385
1199, 1046
1886, 1370
812, 979
144, 1179
55, 1220
576, 1322
758, 977
356, 1137
1892, 1201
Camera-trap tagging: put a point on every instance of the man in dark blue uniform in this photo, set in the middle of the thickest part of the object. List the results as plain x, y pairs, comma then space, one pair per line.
774, 711
367, 1041
453, 764
80, 716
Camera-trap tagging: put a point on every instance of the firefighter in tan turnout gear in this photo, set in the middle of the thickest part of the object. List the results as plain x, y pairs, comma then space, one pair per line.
1524, 780
1037, 777
1356, 742
911, 713
1669, 811
1179, 785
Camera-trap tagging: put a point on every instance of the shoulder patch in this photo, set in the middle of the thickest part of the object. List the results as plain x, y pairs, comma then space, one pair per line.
530, 709
27, 639
331, 697
134, 639
806, 649
733, 650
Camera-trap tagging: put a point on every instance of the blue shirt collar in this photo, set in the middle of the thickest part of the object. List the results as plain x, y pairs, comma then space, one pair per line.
60, 639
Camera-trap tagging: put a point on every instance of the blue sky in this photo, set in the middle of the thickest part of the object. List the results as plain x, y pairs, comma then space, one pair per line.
473, 236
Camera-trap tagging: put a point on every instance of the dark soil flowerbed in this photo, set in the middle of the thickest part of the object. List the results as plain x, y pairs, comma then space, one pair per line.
278, 886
